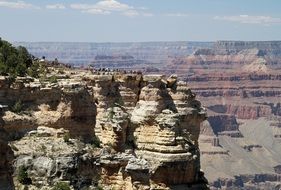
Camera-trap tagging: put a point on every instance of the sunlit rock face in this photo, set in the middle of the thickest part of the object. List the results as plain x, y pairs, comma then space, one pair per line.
106, 129
162, 121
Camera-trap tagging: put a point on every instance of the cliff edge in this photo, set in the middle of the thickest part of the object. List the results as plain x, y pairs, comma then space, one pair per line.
105, 129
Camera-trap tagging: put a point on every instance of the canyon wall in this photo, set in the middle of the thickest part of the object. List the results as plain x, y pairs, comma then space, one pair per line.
100, 130
238, 82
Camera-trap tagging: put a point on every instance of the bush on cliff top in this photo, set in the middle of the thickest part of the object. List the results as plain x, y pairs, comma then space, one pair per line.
17, 61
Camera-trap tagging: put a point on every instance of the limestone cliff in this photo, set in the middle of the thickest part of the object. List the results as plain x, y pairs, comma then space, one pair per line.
100, 130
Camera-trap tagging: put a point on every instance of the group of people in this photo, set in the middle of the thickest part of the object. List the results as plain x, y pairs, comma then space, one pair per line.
112, 70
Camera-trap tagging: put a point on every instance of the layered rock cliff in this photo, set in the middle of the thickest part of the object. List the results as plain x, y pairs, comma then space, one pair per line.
238, 82
100, 130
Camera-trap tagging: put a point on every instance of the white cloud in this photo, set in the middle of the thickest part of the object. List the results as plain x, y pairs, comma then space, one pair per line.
102, 6
177, 15
247, 19
17, 5
97, 11
112, 5
55, 6
106, 7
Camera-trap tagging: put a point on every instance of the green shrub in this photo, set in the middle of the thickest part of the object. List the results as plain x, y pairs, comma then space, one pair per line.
61, 186
23, 176
42, 79
43, 70
99, 187
13, 61
96, 142
21, 69
66, 137
119, 102
17, 107
33, 70
53, 79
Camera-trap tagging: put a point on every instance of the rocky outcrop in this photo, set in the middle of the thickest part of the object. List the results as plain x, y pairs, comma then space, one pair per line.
66, 104
164, 121
49, 158
163, 127
106, 129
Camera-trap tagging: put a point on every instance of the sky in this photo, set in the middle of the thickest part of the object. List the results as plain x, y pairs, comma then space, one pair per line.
139, 20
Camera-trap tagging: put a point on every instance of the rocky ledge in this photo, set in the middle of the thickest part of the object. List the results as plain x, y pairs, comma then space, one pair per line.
105, 130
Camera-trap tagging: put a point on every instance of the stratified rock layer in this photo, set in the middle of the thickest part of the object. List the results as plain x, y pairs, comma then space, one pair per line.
148, 127
239, 83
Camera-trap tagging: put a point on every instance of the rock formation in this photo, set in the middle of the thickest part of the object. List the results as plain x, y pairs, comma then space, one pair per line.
103, 129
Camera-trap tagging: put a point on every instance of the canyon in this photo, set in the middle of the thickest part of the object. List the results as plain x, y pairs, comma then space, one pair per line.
239, 84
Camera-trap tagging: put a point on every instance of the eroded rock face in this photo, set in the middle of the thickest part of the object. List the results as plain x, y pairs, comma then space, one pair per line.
162, 128
147, 126
162, 121
67, 104
49, 158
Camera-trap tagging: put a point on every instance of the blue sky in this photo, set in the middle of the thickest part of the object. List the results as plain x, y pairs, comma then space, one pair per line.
140, 20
